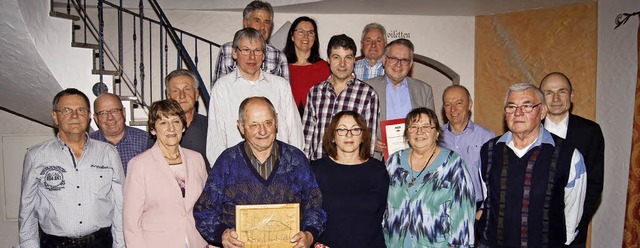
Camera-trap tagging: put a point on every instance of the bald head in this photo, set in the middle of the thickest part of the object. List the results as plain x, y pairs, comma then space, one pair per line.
106, 98
109, 115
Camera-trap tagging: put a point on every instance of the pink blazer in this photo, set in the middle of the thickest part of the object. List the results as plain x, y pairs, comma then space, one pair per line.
154, 212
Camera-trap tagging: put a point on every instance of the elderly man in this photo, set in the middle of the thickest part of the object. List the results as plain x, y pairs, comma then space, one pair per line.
398, 93
584, 134
246, 81
342, 91
110, 116
258, 170
71, 185
461, 134
259, 16
182, 86
535, 181
373, 41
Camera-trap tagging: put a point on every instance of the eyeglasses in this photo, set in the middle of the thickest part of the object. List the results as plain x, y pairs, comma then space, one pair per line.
104, 113
526, 108
302, 32
415, 129
354, 132
394, 60
247, 51
68, 111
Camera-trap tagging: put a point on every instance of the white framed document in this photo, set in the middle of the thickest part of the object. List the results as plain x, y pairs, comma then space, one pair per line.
267, 225
393, 136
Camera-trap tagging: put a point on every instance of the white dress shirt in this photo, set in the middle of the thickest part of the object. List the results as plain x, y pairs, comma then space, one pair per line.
227, 94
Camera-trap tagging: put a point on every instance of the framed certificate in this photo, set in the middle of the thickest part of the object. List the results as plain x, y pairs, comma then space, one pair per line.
392, 136
267, 225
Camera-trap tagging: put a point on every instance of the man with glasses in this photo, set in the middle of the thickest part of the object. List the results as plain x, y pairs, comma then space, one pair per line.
249, 80
373, 41
71, 185
535, 181
257, 15
341, 91
585, 134
398, 93
110, 116
182, 86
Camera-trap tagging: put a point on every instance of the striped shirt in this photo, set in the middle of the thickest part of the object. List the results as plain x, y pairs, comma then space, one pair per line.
274, 63
364, 71
265, 168
70, 197
323, 103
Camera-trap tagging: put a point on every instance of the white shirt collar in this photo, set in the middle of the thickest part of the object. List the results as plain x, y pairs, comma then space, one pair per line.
559, 129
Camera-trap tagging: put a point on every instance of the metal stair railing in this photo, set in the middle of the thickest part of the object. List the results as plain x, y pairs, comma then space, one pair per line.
140, 70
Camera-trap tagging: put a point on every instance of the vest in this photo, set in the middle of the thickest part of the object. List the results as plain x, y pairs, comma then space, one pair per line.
525, 196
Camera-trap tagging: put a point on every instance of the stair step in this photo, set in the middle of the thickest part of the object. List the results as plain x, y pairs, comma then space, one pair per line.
138, 123
85, 45
106, 72
64, 15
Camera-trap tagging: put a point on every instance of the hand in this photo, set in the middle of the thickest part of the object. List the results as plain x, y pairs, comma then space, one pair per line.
302, 239
380, 146
230, 239
478, 214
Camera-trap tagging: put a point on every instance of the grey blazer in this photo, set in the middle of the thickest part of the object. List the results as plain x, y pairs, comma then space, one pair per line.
420, 92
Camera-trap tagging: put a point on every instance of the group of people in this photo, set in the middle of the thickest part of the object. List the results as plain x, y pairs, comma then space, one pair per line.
290, 127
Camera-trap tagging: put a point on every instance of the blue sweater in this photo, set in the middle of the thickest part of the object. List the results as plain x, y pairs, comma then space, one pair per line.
234, 181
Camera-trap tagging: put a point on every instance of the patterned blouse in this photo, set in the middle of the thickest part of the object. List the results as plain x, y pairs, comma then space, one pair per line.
437, 211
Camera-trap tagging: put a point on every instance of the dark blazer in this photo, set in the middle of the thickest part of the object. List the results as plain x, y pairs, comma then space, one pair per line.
586, 135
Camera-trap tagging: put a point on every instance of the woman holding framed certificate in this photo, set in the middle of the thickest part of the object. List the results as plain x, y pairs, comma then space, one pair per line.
354, 186
431, 199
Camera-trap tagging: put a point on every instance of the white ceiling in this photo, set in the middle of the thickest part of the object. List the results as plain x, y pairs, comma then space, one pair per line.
385, 7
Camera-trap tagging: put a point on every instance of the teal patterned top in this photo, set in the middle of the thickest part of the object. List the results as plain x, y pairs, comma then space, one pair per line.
437, 211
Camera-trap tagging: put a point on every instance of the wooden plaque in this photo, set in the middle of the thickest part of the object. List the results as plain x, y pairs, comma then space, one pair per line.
267, 225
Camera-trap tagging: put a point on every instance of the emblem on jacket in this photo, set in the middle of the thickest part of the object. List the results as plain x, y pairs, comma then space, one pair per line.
53, 177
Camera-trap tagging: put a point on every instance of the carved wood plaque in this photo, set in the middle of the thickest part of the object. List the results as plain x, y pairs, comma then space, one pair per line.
267, 225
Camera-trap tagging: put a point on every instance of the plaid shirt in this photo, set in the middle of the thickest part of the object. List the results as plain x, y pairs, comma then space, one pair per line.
323, 103
275, 63
364, 71
134, 142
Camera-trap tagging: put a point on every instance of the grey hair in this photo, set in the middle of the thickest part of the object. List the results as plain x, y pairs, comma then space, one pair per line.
249, 34
256, 5
374, 25
181, 72
400, 42
522, 87
247, 100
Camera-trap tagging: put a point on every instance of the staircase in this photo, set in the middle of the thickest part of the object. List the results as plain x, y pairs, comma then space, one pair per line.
133, 50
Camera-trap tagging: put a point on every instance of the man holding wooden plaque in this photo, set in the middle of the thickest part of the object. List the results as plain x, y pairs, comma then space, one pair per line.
260, 170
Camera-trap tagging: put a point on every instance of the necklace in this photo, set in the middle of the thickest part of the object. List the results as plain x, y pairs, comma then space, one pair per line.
172, 158
413, 179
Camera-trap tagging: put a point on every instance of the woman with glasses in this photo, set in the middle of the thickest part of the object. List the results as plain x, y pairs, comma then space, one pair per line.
163, 184
354, 186
306, 68
431, 199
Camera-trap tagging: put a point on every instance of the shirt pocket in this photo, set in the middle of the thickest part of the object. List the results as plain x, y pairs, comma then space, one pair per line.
100, 180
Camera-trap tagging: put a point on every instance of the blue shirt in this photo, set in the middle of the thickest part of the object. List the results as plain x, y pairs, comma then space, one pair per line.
468, 144
364, 71
134, 142
398, 100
